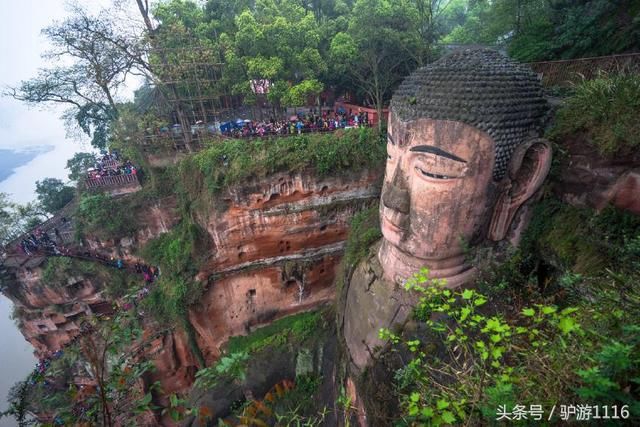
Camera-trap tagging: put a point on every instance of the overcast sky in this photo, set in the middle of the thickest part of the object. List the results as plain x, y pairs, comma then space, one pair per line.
21, 45
20, 127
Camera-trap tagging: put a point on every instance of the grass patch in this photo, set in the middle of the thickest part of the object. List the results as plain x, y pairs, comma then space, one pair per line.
297, 327
233, 364
363, 232
176, 252
106, 217
579, 238
606, 109
58, 269
234, 161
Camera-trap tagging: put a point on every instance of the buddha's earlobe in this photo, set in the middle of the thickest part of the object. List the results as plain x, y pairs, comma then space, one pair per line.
528, 168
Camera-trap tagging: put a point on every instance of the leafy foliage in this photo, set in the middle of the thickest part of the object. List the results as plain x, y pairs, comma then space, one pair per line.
537, 30
18, 399
53, 195
176, 252
232, 366
106, 353
605, 110
486, 360
363, 231
233, 161
94, 69
79, 164
383, 42
59, 269
298, 327
295, 328
106, 217
177, 255
520, 342
16, 219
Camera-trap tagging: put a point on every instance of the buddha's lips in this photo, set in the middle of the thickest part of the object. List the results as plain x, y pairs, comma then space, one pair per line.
391, 226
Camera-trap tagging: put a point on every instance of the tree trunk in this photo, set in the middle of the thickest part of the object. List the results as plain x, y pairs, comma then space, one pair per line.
184, 122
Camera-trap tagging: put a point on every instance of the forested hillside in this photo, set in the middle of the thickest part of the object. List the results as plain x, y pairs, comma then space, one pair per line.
194, 269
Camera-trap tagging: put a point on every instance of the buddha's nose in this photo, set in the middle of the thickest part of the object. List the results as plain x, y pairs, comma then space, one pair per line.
395, 196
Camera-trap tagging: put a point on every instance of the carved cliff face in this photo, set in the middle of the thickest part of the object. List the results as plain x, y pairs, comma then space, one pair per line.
462, 159
436, 194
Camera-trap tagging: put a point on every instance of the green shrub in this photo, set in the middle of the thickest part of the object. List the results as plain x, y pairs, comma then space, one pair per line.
233, 161
232, 366
607, 110
522, 343
364, 230
106, 217
176, 251
470, 359
58, 269
297, 327
291, 329
170, 298
580, 239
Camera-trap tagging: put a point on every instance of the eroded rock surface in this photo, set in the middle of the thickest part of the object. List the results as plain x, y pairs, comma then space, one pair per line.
275, 245
590, 179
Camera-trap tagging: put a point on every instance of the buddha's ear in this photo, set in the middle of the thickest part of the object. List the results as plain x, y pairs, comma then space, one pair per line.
527, 171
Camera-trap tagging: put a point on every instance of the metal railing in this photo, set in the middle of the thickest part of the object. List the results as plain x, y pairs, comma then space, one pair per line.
570, 71
113, 180
60, 219
110, 164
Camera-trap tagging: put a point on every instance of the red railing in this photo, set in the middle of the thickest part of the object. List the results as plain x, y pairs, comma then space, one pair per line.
570, 71
114, 180
110, 164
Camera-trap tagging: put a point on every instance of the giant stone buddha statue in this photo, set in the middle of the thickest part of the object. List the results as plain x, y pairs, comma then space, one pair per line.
464, 155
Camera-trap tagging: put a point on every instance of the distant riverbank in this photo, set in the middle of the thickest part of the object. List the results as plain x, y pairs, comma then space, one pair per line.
10, 160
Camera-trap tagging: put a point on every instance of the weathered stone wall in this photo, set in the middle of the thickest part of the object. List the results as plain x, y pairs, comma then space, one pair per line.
587, 178
275, 247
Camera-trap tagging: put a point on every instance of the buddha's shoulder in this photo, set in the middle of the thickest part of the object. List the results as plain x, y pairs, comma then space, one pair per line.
369, 267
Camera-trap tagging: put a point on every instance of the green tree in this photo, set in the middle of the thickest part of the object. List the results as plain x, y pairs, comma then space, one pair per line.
535, 30
299, 94
278, 41
15, 219
53, 195
96, 70
19, 405
379, 48
79, 164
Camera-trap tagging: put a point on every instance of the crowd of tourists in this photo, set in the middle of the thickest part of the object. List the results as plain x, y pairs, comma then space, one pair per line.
111, 164
149, 274
40, 241
300, 123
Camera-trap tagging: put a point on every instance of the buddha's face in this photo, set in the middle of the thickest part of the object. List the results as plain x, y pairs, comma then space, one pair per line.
438, 189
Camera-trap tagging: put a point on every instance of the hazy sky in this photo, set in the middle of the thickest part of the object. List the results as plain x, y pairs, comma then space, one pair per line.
20, 47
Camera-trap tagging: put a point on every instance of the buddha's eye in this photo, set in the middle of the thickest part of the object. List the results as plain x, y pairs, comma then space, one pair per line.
389, 157
432, 175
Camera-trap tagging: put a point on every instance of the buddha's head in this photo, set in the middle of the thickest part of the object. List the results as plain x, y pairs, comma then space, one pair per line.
464, 154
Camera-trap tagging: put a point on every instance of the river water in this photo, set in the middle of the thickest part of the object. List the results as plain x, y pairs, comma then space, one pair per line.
21, 45
16, 354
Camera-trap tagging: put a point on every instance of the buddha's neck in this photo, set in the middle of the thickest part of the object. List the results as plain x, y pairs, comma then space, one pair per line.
398, 266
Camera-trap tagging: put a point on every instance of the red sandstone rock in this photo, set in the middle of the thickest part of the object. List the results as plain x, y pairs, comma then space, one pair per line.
593, 180
275, 249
